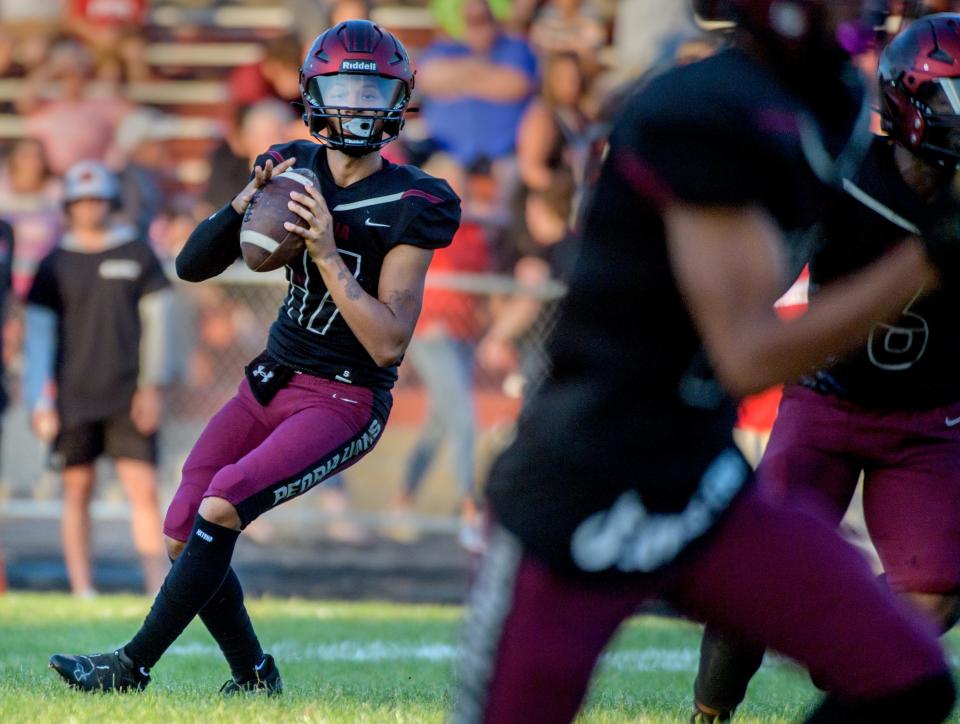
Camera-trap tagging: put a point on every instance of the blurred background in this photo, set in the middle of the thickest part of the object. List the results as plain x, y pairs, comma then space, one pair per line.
178, 98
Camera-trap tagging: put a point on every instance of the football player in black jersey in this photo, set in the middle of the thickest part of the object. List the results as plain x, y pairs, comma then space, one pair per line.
891, 409
623, 482
317, 399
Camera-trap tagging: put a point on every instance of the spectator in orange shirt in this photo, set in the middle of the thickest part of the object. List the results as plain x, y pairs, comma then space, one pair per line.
442, 354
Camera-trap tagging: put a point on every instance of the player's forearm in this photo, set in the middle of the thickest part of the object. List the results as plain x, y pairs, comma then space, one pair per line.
212, 247
474, 77
500, 84
837, 322
444, 77
376, 326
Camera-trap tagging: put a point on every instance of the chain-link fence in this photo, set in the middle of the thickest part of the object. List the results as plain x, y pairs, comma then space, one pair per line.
222, 324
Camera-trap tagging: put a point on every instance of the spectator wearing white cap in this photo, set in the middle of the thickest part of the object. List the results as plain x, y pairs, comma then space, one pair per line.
96, 359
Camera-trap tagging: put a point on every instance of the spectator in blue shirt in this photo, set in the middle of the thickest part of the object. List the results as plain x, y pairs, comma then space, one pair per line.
475, 90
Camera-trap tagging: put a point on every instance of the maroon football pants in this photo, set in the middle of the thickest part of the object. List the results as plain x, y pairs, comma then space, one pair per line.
773, 576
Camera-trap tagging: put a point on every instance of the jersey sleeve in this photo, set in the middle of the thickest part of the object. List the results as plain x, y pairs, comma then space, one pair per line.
670, 152
434, 217
152, 278
282, 151
45, 291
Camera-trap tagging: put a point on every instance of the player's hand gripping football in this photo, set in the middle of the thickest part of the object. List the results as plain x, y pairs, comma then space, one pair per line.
261, 175
318, 234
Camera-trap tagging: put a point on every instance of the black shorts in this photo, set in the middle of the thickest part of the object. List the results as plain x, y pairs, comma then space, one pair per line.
115, 436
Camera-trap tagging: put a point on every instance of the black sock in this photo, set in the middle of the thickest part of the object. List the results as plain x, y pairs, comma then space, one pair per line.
227, 620
194, 578
726, 667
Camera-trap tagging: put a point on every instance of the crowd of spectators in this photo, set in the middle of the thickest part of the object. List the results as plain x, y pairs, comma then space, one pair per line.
510, 97
507, 93
513, 97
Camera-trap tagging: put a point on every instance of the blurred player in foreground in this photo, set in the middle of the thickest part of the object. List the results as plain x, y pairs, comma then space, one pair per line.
889, 410
97, 356
317, 399
624, 482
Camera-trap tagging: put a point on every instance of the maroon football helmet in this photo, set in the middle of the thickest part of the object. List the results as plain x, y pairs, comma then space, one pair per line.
919, 75
356, 83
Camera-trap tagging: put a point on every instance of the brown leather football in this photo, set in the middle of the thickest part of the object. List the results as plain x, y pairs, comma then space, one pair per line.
264, 243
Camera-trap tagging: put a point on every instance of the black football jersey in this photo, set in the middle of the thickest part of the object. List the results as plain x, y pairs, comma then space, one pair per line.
396, 205
909, 362
631, 422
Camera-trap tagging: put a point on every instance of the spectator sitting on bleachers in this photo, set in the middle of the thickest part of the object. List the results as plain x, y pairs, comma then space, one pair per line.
30, 201
256, 128
343, 10
553, 131
8, 62
113, 30
276, 76
475, 91
142, 161
73, 126
315, 16
568, 26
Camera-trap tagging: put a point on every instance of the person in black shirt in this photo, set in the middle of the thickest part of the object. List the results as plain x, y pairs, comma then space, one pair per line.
317, 399
889, 409
623, 482
96, 359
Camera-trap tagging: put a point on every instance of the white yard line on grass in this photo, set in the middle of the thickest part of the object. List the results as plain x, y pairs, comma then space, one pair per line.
639, 660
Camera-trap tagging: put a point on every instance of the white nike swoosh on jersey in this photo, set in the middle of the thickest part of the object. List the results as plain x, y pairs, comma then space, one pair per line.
952, 422
344, 399
374, 223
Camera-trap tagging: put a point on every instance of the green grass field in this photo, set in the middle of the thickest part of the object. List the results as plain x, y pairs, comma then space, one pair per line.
341, 662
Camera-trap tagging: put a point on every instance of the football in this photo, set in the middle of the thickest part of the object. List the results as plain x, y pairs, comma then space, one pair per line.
264, 242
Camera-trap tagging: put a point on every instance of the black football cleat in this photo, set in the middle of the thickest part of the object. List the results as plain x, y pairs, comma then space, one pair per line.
265, 678
700, 716
100, 672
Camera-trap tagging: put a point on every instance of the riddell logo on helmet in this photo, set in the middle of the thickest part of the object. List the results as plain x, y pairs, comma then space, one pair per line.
359, 65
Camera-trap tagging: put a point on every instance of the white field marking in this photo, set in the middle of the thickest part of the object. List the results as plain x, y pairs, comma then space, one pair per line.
636, 660
651, 660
